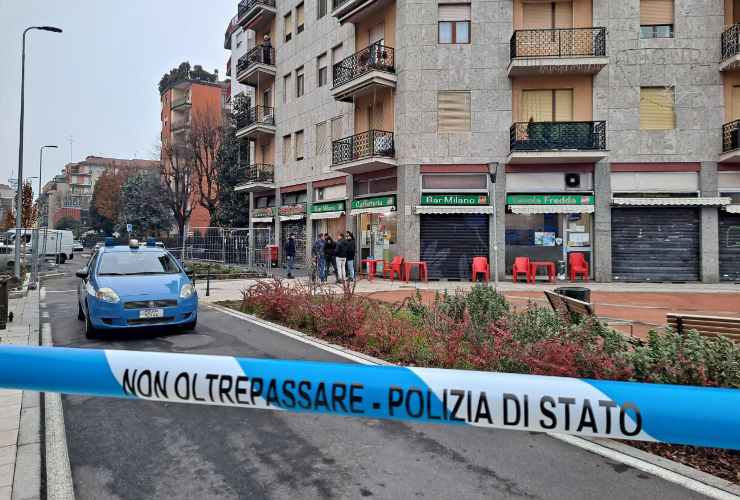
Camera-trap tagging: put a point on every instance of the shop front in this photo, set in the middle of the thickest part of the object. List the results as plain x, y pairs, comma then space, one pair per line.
329, 217
377, 224
293, 221
549, 228
263, 221
454, 228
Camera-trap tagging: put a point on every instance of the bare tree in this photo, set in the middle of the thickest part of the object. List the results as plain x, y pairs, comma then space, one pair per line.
178, 174
204, 141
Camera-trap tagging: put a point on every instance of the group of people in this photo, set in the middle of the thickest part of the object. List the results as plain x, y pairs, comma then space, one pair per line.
339, 255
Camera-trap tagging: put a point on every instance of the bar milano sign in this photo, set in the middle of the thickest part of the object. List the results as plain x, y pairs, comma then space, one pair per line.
454, 199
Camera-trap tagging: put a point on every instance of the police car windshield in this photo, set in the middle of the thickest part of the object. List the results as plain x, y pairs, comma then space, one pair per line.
136, 263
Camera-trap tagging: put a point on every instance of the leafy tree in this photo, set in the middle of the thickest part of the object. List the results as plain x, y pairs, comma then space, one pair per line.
107, 195
29, 210
70, 224
185, 72
144, 205
98, 221
233, 156
8, 220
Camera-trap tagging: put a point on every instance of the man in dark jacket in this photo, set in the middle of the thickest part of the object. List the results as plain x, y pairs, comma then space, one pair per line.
317, 251
341, 258
350, 256
330, 249
290, 254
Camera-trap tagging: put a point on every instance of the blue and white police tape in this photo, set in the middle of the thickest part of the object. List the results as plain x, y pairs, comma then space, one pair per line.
597, 408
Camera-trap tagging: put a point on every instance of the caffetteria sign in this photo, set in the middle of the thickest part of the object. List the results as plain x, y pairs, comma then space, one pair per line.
549, 199
454, 199
380, 201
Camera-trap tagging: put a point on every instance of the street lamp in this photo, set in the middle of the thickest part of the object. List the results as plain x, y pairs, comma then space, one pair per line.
19, 201
493, 172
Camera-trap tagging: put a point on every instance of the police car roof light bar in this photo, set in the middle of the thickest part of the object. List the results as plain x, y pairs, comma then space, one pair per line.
109, 241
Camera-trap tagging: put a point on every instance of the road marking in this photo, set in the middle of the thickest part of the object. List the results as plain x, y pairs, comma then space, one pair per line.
61, 291
645, 466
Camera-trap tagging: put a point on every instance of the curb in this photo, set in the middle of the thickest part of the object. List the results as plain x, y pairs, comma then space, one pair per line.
666, 469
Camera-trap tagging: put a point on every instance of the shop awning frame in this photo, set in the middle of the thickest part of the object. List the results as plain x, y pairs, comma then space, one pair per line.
702, 201
552, 209
292, 217
372, 210
262, 219
453, 209
733, 209
327, 215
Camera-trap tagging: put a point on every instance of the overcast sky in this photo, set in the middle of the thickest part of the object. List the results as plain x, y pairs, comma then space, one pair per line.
97, 81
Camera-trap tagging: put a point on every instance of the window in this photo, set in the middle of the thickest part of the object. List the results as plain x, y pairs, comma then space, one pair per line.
656, 108
454, 23
299, 145
336, 128
288, 27
320, 9
322, 72
321, 138
299, 83
547, 15
546, 105
336, 54
286, 148
656, 18
453, 111
299, 20
286, 86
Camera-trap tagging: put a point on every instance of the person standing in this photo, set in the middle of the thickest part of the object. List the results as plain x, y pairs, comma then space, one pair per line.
341, 257
290, 254
351, 247
329, 250
317, 251
266, 50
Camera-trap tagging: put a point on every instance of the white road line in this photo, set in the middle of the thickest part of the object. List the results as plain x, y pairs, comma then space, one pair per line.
656, 470
61, 291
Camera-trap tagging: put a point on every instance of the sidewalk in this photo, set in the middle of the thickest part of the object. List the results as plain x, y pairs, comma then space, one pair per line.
20, 439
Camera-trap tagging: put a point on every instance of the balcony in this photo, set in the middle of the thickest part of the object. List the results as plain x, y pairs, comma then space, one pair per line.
180, 127
365, 71
181, 103
258, 62
255, 14
256, 121
364, 152
730, 56
353, 10
257, 177
557, 142
571, 51
731, 142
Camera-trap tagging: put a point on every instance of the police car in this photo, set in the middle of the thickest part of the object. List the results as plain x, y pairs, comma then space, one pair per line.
130, 287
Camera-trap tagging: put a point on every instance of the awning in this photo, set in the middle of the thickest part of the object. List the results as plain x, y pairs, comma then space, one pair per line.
327, 215
372, 210
552, 209
714, 201
454, 209
292, 217
262, 219
733, 209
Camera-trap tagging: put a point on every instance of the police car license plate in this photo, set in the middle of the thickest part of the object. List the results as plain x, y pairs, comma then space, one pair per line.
151, 313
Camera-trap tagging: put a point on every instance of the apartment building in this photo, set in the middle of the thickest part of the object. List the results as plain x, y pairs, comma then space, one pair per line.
600, 122
184, 102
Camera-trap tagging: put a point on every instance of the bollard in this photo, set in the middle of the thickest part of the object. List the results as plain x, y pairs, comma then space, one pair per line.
208, 281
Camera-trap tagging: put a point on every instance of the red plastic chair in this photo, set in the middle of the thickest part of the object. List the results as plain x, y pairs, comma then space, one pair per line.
395, 267
577, 264
480, 266
521, 266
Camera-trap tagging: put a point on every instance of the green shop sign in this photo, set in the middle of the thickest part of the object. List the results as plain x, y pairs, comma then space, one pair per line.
263, 212
454, 199
380, 201
549, 199
333, 206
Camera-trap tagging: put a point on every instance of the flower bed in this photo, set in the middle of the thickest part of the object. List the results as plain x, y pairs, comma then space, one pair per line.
479, 330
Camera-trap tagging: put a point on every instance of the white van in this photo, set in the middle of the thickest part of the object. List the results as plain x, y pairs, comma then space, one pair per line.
52, 243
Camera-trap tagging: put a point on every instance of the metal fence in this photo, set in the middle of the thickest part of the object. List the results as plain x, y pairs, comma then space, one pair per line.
233, 247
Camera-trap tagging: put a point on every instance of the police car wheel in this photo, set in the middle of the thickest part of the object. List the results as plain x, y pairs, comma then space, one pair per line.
189, 326
90, 332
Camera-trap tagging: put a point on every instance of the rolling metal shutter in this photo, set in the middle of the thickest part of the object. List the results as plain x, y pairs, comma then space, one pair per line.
655, 244
729, 247
449, 243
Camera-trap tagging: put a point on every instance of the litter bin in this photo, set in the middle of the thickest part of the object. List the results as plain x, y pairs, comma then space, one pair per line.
575, 292
272, 254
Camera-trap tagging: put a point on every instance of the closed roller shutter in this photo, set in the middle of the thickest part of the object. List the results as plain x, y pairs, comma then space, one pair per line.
449, 243
654, 12
729, 247
655, 244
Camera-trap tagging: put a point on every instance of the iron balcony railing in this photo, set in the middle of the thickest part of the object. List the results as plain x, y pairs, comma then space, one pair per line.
560, 42
555, 136
730, 133
731, 41
246, 5
338, 3
258, 55
376, 57
259, 172
362, 145
261, 115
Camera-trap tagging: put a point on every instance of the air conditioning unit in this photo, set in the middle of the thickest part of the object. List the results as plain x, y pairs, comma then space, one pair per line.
572, 181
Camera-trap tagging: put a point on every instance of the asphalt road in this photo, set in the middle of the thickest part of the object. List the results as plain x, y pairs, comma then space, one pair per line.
134, 449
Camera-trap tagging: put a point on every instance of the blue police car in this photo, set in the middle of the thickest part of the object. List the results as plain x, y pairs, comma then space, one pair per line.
124, 287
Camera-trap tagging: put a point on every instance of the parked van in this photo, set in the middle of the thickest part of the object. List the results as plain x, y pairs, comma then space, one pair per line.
52, 243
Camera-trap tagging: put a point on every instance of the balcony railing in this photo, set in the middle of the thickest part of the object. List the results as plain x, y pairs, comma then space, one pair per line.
180, 101
258, 55
731, 42
338, 3
261, 115
246, 5
554, 136
730, 132
259, 172
376, 57
566, 42
362, 145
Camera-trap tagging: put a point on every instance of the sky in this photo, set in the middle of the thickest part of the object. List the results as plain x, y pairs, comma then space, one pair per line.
96, 83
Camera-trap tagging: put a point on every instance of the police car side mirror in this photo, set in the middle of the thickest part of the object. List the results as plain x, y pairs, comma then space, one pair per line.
82, 273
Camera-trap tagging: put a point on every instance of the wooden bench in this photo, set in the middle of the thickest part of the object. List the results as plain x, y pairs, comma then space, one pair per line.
707, 326
573, 309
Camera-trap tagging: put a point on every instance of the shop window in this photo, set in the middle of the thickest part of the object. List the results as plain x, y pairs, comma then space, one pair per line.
454, 23
454, 182
656, 18
657, 108
453, 111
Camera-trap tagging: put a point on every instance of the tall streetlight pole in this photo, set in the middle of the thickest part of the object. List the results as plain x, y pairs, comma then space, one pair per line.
37, 234
493, 173
19, 200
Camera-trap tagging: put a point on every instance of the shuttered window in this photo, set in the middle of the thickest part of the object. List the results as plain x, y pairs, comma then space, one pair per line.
453, 111
286, 87
336, 128
563, 14
537, 15
655, 12
322, 72
299, 20
656, 108
547, 105
454, 23
299, 82
564, 105
321, 138
286, 148
288, 27
736, 103
299, 145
